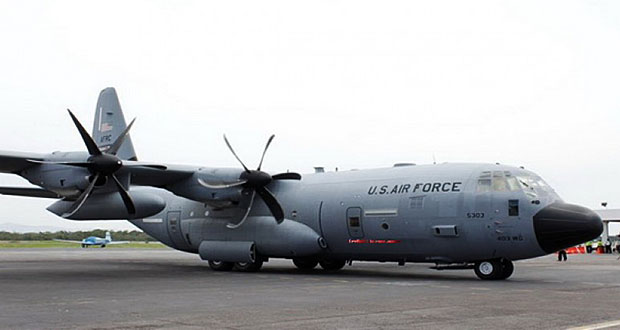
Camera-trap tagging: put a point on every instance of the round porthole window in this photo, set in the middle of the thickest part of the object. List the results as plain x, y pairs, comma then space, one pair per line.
385, 226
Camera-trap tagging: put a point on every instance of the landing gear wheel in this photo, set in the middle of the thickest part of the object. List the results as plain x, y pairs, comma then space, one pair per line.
332, 264
249, 266
305, 263
83, 246
102, 246
507, 269
221, 266
496, 269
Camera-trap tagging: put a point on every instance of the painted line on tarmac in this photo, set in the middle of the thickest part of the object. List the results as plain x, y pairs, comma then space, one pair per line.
603, 325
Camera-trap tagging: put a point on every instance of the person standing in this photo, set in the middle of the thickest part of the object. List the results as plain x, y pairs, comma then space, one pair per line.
562, 255
608, 247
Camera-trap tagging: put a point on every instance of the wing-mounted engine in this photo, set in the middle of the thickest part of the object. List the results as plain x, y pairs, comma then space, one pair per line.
221, 187
110, 206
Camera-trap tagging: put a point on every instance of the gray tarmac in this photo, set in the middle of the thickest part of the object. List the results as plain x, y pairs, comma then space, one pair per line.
150, 289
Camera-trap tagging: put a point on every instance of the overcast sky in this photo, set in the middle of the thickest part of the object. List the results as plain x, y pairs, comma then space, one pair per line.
348, 84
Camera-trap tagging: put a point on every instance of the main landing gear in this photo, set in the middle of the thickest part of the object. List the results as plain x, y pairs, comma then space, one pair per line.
496, 269
327, 264
223, 266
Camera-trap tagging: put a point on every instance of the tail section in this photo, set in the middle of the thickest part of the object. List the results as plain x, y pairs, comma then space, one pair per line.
110, 123
108, 237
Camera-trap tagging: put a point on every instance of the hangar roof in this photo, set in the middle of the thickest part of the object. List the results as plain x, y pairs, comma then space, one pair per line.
609, 214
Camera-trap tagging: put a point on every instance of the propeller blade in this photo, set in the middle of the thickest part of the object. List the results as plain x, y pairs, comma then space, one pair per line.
265, 151
233, 152
119, 141
93, 150
43, 162
131, 208
272, 203
80, 201
245, 216
287, 176
221, 186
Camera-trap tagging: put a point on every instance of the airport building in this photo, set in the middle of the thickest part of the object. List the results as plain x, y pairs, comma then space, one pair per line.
608, 215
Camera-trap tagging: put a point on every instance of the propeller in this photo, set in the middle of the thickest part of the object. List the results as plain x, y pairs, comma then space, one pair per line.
101, 165
256, 181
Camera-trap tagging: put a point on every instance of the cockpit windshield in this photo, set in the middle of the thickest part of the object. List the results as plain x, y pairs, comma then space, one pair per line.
505, 181
534, 185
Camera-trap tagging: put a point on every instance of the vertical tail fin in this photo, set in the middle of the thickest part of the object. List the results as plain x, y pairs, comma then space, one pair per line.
110, 123
108, 236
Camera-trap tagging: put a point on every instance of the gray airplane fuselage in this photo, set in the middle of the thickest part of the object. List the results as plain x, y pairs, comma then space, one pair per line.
428, 213
480, 216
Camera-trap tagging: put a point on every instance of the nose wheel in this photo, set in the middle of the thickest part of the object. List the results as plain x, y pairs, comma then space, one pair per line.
495, 269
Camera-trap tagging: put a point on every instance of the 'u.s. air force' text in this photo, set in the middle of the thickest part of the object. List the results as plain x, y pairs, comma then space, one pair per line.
427, 187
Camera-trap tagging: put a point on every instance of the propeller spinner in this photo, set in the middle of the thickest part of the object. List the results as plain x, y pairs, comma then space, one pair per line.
256, 181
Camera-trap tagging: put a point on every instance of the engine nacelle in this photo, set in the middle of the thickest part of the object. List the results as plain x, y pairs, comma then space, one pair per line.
110, 206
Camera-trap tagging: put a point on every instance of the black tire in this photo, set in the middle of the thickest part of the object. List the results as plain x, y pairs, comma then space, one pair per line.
507, 269
249, 266
332, 264
221, 266
489, 269
102, 246
305, 263
83, 246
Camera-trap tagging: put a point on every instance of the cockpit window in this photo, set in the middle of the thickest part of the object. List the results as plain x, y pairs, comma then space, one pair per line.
501, 181
534, 185
513, 183
531, 184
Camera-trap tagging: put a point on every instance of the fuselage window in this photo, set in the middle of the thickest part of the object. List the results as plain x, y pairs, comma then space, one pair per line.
513, 207
354, 221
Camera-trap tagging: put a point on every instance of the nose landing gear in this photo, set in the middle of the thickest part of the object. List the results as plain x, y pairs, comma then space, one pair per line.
495, 269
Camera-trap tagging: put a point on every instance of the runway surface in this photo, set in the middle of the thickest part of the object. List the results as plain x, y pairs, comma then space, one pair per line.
150, 289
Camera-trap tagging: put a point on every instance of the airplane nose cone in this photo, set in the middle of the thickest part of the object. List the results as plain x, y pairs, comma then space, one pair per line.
560, 225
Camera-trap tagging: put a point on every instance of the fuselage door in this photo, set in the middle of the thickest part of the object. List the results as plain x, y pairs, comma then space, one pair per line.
354, 222
174, 229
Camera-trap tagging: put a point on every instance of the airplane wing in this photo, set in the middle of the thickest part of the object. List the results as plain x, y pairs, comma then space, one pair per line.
68, 241
117, 242
28, 192
15, 162
156, 175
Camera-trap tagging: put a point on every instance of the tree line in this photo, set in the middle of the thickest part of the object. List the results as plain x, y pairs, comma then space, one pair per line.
122, 235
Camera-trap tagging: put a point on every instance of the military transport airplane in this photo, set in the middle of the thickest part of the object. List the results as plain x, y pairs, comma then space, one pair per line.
95, 241
480, 216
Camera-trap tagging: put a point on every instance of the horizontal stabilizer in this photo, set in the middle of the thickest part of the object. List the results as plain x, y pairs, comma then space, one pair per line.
28, 192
